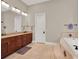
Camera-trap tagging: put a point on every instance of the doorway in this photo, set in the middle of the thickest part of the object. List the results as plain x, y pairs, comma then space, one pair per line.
40, 27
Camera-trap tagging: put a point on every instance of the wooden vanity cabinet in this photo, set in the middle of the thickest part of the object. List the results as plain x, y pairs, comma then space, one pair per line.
24, 40
18, 42
7, 46
12, 44
4, 49
29, 38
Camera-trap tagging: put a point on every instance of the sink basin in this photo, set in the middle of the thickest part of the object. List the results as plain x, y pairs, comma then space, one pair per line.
25, 32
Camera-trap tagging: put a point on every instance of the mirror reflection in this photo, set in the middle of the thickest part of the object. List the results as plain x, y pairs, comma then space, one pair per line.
12, 19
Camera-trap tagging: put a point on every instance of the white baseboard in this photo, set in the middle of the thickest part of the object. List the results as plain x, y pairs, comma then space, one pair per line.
50, 43
47, 43
33, 41
37, 42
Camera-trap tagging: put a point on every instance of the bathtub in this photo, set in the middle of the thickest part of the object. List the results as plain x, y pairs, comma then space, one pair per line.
68, 44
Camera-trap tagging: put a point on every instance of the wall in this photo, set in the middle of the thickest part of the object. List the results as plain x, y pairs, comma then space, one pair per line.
58, 13
18, 4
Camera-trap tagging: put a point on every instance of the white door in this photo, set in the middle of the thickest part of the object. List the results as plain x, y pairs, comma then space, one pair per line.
40, 27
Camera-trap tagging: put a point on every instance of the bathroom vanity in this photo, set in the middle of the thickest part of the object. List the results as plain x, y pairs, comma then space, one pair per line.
12, 42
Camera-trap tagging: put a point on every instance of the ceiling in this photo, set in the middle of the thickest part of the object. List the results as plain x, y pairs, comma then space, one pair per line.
31, 2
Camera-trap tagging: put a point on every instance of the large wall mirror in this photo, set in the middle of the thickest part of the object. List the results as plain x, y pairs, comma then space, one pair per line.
12, 19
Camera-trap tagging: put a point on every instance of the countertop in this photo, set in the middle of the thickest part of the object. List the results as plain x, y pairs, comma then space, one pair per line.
14, 34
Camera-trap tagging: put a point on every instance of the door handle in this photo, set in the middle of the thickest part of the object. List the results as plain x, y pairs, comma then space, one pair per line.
43, 32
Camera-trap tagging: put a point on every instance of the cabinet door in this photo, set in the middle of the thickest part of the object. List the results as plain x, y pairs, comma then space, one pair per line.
4, 49
11, 45
29, 38
24, 40
18, 42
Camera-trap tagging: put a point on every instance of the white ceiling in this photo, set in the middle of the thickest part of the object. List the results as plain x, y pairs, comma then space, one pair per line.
31, 2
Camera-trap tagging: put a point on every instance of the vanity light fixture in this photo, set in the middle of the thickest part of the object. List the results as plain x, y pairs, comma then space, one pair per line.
13, 9
16, 10
25, 14
5, 4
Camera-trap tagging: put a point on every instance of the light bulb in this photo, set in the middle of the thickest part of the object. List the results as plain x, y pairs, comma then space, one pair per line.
25, 14
5, 4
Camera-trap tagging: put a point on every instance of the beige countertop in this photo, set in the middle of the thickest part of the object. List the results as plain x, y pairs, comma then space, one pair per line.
14, 34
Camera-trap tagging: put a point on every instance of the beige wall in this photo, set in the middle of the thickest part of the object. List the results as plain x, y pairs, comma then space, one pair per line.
58, 13
18, 4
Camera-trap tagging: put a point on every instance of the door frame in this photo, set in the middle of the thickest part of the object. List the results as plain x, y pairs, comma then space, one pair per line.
45, 27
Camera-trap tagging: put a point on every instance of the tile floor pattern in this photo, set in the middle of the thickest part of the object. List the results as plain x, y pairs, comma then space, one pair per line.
40, 51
